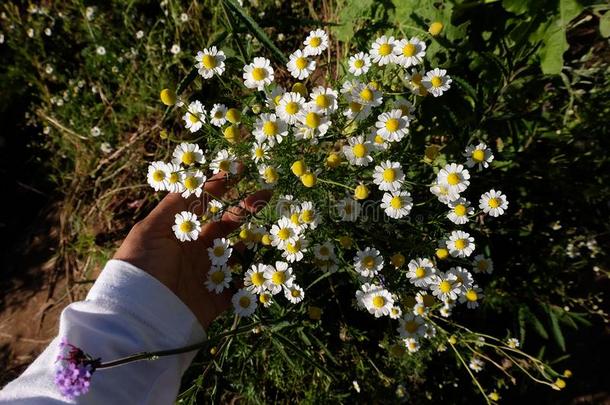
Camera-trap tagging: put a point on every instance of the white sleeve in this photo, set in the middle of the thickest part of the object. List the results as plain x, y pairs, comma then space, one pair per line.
127, 311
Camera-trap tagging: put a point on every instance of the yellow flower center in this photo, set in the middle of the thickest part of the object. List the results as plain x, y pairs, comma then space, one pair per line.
257, 278
460, 244
218, 277
270, 175
361, 192
158, 175
478, 155
389, 175
359, 150
324, 251
453, 179
191, 183
471, 295
294, 218
264, 298
312, 120
173, 178
378, 301
411, 326
259, 152
420, 272
460, 210
293, 248
396, 202
409, 50
259, 74
270, 128
295, 293
224, 165
442, 253
219, 251
368, 262
188, 158
193, 118
322, 101
355, 107
244, 302
493, 203
358, 63
279, 277
277, 99
367, 94
292, 108
436, 81
214, 209
435, 28
445, 286
283, 234
307, 216
300, 63
208, 61
385, 49
187, 226
379, 139
416, 79
392, 124
315, 42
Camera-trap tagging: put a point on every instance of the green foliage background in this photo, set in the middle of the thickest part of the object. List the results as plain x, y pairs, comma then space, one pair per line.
531, 79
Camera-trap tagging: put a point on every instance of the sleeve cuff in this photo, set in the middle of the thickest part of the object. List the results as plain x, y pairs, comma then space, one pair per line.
137, 292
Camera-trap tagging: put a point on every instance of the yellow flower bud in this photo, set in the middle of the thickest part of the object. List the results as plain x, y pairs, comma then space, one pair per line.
345, 242
163, 134
397, 260
233, 115
567, 373
442, 253
333, 160
300, 88
361, 192
452, 339
315, 313
309, 179
298, 168
559, 383
256, 108
494, 396
231, 133
374, 84
244, 234
435, 28
168, 97
213, 350
266, 239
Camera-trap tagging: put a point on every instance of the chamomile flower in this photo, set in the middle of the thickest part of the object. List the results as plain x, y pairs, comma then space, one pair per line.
195, 116
214, 210
410, 52
174, 179
415, 78
254, 279
368, 262
356, 111
421, 272
224, 161
295, 249
188, 154
158, 175
210, 61
382, 50
325, 251
479, 155
388, 176
273, 97
405, 106
218, 279
300, 66
445, 311
425, 299
193, 181
444, 194
393, 125
220, 251
269, 175
186, 226
308, 215
363, 291
366, 95
436, 82
454, 177
444, 286
283, 232
493, 203
359, 63
460, 244
358, 151
315, 43
460, 210
395, 312
218, 115
397, 204
291, 108
348, 209
294, 293
420, 310
324, 99
266, 299
269, 128
513, 343
482, 264
411, 326
411, 344
260, 152
244, 303
285, 204
378, 141
253, 235
313, 124
462, 276
476, 364
277, 277
471, 296
378, 302
258, 74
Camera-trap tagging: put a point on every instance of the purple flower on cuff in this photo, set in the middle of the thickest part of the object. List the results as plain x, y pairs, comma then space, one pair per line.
73, 374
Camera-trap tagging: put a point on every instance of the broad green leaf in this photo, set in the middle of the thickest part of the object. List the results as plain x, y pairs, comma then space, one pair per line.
557, 334
535, 322
604, 25
516, 6
350, 14
568, 10
551, 53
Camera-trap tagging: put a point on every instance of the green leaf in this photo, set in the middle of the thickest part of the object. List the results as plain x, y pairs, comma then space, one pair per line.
535, 322
516, 6
350, 15
604, 25
255, 29
557, 334
522, 319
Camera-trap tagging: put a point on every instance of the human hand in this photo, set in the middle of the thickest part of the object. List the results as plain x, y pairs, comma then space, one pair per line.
183, 266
